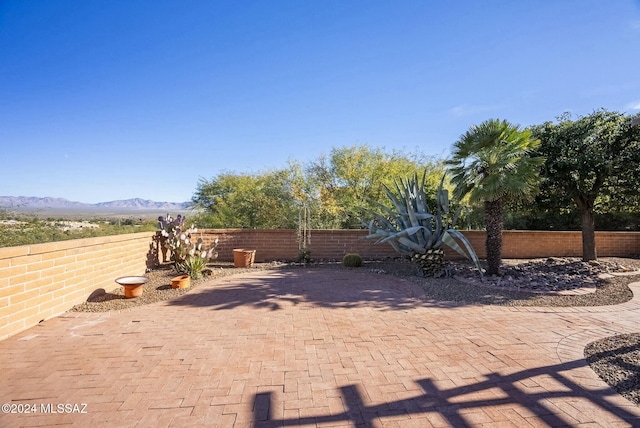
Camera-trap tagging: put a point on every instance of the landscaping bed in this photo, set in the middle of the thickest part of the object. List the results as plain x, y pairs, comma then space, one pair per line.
615, 359
158, 288
464, 287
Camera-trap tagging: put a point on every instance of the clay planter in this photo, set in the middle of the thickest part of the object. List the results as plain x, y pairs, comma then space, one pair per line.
243, 258
133, 285
182, 281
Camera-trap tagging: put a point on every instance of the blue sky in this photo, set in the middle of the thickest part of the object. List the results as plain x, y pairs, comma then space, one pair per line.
106, 100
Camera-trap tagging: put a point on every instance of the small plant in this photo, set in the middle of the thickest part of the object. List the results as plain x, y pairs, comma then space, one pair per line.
189, 256
304, 255
352, 260
192, 266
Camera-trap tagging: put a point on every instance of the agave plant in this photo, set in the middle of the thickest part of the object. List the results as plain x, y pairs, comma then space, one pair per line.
415, 232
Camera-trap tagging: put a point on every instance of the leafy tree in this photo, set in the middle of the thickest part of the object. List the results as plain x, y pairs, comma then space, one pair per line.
310, 195
352, 179
330, 192
590, 159
491, 163
246, 200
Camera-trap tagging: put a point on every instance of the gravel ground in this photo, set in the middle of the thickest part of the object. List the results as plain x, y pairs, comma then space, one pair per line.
558, 274
615, 359
158, 288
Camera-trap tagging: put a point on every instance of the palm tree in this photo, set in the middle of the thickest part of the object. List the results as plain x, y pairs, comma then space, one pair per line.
492, 164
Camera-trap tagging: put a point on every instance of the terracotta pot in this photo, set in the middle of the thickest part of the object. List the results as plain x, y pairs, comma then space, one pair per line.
182, 281
243, 258
133, 285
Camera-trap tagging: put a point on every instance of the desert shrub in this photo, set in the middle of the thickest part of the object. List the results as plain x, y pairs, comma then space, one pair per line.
352, 260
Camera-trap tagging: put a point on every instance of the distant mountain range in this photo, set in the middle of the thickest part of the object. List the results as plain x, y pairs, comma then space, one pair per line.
32, 203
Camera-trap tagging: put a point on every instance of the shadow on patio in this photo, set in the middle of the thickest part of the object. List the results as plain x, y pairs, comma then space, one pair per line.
544, 394
317, 288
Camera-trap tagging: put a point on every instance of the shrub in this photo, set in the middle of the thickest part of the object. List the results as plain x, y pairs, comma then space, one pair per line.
192, 266
352, 260
304, 256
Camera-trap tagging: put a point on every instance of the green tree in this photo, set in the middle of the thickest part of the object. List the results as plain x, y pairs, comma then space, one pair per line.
491, 163
246, 201
595, 158
352, 179
330, 192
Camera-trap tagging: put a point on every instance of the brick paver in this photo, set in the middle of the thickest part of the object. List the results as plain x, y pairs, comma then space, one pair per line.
322, 348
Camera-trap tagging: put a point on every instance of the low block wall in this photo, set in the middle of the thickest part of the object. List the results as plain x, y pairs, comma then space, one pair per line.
41, 281
282, 244
523, 244
334, 244
44, 280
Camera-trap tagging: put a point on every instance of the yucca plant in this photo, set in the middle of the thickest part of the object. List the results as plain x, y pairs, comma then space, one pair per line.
413, 231
192, 266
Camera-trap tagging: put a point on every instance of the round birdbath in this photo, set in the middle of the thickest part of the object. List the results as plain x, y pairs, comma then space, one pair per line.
133, 285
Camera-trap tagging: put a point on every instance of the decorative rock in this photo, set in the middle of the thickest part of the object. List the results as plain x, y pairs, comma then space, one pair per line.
550, 274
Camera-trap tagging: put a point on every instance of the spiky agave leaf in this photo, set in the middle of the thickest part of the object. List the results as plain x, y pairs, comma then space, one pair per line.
405, 232
449, 238
421, 197
401, 250
412, 245
398, 205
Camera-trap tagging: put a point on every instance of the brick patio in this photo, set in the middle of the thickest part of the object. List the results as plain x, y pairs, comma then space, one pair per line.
330, 348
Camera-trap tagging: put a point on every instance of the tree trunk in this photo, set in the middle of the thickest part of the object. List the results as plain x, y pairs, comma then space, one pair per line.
588, 232
494, 222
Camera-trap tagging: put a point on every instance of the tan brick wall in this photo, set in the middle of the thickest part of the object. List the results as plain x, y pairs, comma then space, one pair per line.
41, 281
44, 280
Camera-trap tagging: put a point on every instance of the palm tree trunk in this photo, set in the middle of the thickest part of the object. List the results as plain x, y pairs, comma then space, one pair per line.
493, 219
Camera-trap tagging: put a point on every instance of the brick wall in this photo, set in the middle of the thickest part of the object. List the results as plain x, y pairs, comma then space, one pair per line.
41, 281
529, 244
334, 244
282, 244
44, 280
